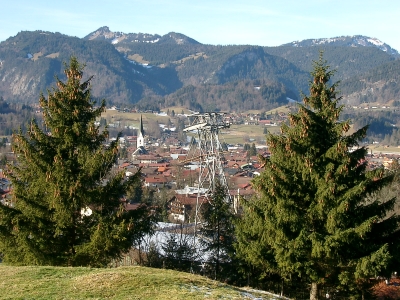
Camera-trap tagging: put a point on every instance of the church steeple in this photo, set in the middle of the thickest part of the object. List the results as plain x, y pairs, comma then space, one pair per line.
141, 125
140, 136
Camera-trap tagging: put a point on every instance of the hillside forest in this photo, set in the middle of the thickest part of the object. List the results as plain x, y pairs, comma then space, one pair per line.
134, 71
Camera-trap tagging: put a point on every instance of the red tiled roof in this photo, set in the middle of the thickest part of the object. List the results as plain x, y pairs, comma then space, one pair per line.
148, 157
167, 173
124, 165
189, 200
153, 165
154, 179
133, 206
162, 169
244, 185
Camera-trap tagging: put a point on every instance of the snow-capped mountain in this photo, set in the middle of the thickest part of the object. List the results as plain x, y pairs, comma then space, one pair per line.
104, 33
349, 41
131, 67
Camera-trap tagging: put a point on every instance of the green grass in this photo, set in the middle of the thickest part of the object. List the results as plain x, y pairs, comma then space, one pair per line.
384, 149
239, 134
130, 116
116, 283
282, 109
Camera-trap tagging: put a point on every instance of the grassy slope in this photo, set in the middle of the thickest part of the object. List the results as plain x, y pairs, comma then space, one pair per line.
116, 283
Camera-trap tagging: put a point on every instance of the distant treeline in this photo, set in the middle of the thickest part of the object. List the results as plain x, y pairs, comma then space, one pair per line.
13, 117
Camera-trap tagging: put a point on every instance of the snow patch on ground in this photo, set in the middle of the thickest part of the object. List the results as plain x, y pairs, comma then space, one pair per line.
375, 42
242, 293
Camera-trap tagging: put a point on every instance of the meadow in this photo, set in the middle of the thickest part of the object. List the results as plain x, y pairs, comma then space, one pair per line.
114, 283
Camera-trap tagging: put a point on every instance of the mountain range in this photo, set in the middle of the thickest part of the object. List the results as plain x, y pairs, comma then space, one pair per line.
152, 71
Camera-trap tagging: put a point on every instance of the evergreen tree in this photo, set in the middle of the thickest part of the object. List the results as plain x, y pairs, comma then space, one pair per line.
217, 230
123, 152
67, 207
253, 150
103, 122
178, 252
3, 160
169, 123
312, 216
135, 193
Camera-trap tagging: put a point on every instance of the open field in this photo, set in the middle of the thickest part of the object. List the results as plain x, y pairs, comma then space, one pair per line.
240, 134
129, 117
236, 134
116, 283
383, 149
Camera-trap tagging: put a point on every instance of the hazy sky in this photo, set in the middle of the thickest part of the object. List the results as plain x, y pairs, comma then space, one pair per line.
217, 22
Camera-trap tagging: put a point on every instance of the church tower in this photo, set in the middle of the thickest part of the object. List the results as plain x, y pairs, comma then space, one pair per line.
140, 136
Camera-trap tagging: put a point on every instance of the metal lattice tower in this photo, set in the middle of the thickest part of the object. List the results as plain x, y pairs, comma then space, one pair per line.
208, 152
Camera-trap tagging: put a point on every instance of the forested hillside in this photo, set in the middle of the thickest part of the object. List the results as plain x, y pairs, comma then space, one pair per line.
30, 61
238, 96
379, 84
13, 116
155, 71
348, 61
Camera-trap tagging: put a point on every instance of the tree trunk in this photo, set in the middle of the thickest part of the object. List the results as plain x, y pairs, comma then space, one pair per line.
314, 291
218, 244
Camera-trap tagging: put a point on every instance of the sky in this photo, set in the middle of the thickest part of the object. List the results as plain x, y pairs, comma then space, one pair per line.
215, 22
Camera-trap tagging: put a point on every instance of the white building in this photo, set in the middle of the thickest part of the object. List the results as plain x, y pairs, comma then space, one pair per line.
140, 136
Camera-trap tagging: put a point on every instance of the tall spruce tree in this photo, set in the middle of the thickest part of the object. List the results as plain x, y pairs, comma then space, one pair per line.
312, 216
217, 231
67, 207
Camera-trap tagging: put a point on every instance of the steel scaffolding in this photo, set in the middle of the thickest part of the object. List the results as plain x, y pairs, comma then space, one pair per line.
208, 152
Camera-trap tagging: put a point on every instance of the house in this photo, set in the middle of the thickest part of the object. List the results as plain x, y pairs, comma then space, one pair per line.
125, 165
162, 169
150, 159
5, 190
156, 181
233, 164
139, 151
237, 195
182, 207
177, 155
131, 206
5, 197
267, 123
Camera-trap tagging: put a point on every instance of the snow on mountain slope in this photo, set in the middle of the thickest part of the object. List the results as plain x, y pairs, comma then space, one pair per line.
104, 33
352, 41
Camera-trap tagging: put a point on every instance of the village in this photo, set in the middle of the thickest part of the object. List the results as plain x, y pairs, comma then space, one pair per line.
169, 172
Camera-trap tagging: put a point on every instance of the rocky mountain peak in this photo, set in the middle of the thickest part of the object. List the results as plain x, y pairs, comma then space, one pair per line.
104, 33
